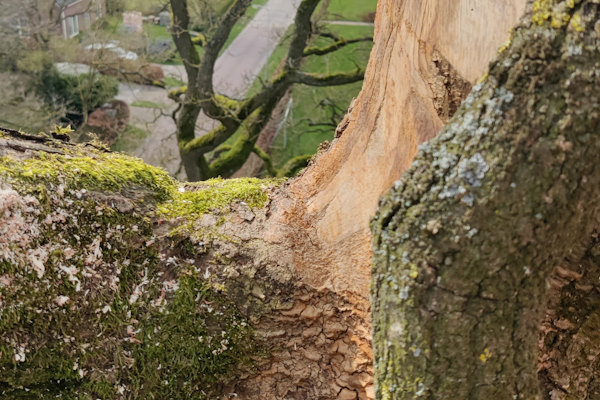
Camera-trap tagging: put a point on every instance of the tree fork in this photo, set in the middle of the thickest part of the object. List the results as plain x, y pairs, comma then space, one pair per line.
314, 240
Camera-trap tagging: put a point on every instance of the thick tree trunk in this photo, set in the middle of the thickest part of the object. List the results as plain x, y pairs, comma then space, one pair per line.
130, 285
466, 240
426, 56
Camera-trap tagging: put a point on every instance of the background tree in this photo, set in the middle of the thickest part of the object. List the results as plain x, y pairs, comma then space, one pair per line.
248, 116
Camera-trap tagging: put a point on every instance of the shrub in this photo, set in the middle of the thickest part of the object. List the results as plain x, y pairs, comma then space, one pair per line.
80, 94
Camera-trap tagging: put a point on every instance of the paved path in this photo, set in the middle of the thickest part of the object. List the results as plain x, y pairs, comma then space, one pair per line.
241, 63
235, 71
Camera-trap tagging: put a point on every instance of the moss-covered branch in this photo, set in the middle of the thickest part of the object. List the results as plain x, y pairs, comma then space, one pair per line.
101, 296
294, 165
266, 159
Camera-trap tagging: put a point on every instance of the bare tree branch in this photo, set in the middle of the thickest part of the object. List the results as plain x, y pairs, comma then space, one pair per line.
340, 78
319, 51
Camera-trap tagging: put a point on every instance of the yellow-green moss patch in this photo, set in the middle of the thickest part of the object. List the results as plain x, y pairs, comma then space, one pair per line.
196, 199
99, 171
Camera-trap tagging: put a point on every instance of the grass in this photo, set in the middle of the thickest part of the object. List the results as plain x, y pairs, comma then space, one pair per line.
129, 139
350, 10
147, 104
314, 104
156, 31
173, 82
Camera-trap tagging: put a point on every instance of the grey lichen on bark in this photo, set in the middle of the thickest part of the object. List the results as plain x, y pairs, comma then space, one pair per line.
465, 241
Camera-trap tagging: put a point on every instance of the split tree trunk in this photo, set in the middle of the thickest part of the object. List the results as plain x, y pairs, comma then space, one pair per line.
296, 267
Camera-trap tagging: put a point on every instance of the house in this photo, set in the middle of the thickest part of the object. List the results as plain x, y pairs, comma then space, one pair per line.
32, 18
77, 15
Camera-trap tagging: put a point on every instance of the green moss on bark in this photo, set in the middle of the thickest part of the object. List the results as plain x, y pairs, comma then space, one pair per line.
91, 303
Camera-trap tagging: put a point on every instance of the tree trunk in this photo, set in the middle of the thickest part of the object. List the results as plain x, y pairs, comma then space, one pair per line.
466, 241
130, 285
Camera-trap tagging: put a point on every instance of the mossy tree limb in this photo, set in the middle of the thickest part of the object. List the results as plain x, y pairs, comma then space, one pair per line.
118, 282
465, 241
97, 299
341, 42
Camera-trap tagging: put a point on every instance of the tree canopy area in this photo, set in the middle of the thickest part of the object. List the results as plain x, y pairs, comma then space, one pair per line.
119, 282
246, 117
64, 71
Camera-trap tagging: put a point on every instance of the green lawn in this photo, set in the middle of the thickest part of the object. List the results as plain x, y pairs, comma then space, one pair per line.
171, 82
313, 105
350, 10
156, 31
148, 104
129, 139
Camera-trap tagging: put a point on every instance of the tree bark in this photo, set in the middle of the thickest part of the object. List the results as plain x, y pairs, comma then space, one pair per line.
131, 285
117, 282
465, 242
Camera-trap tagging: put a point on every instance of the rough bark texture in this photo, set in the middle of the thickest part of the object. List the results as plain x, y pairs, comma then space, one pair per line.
117, 282
569, 344
466, 240
272, 278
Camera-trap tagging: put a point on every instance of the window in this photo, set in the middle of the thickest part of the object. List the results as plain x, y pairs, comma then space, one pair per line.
86, 20
21, 26
72, 26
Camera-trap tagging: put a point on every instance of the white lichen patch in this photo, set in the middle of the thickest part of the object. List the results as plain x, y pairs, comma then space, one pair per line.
472, 171
61, 300
19, 231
